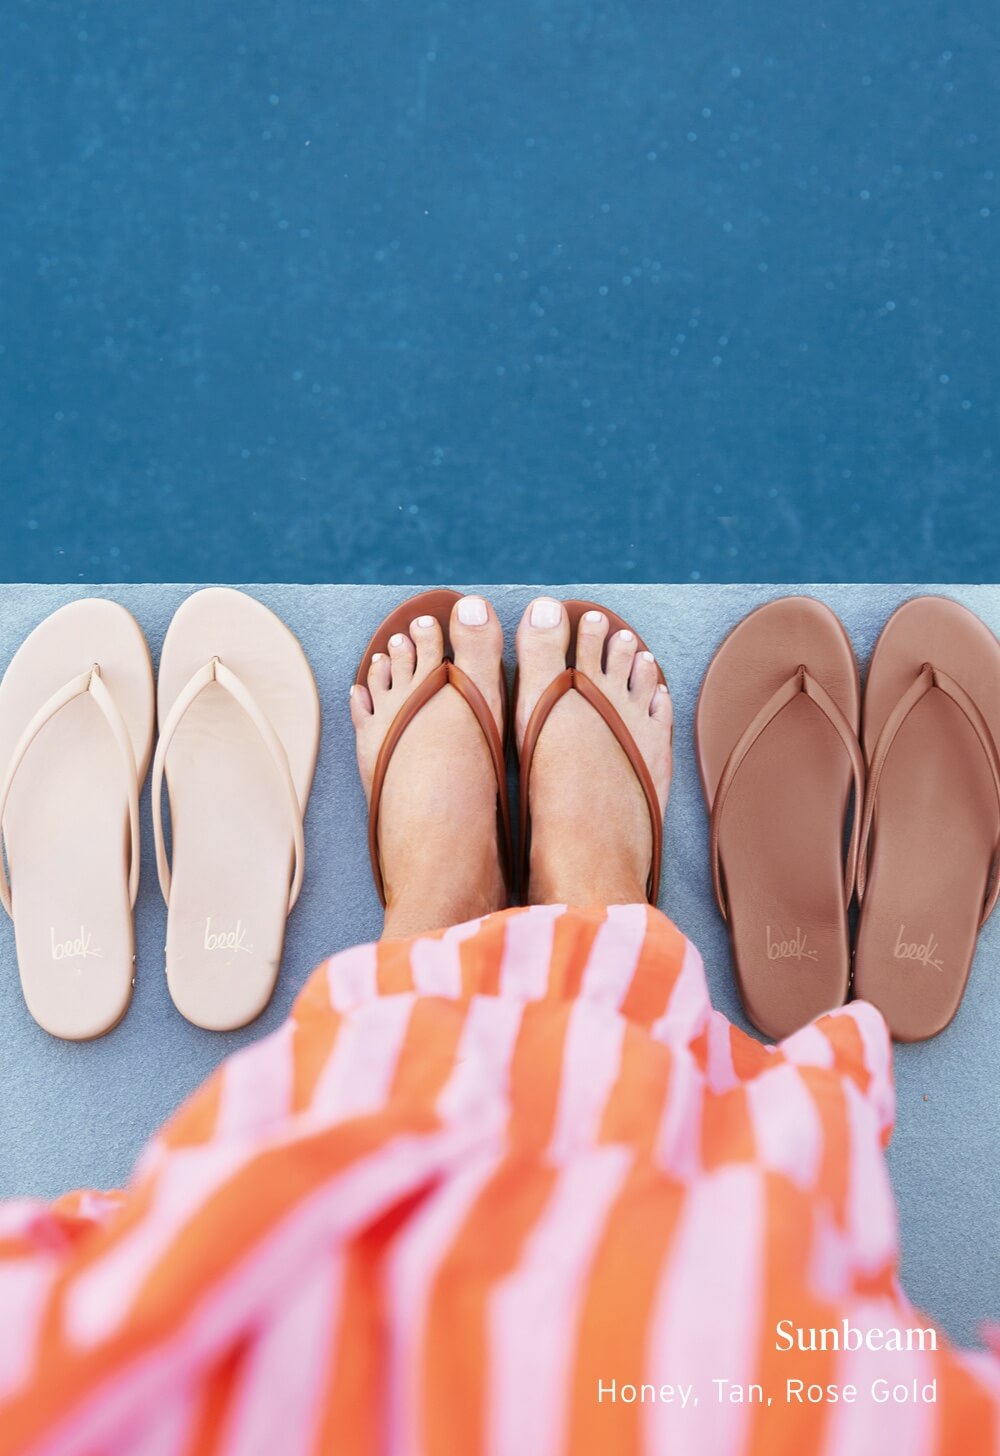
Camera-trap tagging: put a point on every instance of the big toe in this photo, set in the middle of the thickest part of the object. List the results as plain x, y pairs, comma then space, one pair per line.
542, 642
477, 644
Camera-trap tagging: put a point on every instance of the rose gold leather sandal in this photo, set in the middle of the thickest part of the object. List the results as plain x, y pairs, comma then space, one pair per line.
776, 733
572, 679
76, 729
239, 734
927, 877
438, 604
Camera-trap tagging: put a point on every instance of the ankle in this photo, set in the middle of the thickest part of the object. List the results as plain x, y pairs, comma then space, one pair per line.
575, 877
432, 901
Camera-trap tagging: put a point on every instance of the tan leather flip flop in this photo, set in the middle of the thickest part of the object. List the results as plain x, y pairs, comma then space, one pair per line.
776, 733
572, 679
239, 734
76, 729
927, 877
438, 604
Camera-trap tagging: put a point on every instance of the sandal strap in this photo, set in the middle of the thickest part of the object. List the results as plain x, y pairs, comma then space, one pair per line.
572, 679
446, 674
800, 682
927, 679
89, 682
216, 671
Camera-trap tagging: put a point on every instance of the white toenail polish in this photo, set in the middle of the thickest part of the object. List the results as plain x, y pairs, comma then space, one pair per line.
545, 613
377, 656
425, 621
662, 688
472, 612
594, 616
647, 657
396, 640
350, 690
625, 636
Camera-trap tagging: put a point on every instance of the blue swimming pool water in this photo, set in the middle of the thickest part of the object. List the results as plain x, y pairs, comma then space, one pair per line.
545, 289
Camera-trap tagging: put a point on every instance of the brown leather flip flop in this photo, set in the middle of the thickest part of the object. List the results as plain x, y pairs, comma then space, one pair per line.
927, 876
776, 732
572, 679
438, 604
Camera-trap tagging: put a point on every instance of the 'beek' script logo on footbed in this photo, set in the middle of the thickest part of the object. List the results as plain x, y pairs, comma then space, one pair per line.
926, 954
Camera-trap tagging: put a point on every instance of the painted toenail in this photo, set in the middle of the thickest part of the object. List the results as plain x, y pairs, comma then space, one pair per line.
626, 636
425, 621
472, 612
593, 616
377, 656
545, 613
397, 639
662, 688
647, 657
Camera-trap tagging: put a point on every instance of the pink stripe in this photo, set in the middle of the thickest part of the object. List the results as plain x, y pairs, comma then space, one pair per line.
881, 1091
871, 1207
166, 1429
256, 1091
283, 1376
614, 956
715, 1268
808, 1047
689, 1006
590, 1068
479, 1084
412, 1269
359, 1072
352, 977
788, 1133
25, 1285
867, 1427
527, 952
535, 1311
721, 1074
437, 964
678, 1138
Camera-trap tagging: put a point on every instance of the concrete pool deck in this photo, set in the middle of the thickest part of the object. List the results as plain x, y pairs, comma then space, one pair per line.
77, 1114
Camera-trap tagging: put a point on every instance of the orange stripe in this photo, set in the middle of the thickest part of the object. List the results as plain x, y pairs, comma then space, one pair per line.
634, 1108
572, 942
614, 1324
726, 1129
536, 1073
844, 1036
315, 1025
967, 1416
215, 1403
660, 962
427, 1057
787, 1428
456, 1353
750, 1057
833, 1178
482, 956
393, 969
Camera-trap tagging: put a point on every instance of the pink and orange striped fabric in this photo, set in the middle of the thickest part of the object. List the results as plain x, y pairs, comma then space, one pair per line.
509, 1190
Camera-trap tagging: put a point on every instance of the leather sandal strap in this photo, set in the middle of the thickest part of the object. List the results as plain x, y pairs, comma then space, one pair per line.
446, 674
216, 671
571, 679
800, 682
88, 682
927, 679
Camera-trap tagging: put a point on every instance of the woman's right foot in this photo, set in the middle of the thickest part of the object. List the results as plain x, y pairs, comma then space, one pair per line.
590, 830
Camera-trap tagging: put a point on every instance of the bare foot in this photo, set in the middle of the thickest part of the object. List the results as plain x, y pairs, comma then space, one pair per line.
437, 821
590, 831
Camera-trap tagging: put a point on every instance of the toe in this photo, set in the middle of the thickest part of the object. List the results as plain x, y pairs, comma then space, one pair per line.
403, 656
379, 676
643, 679
591, 635
361, 704
621, 652
542, 640
476, 638
429, 642
662, 708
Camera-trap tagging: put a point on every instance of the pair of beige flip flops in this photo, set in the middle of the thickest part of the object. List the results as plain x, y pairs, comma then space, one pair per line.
785, 741
239, 723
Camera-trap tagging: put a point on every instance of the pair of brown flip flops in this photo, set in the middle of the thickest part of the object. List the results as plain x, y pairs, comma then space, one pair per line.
439, 604
783, 743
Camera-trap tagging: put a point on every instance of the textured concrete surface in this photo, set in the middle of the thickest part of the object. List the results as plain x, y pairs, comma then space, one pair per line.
407, 289
77, 1114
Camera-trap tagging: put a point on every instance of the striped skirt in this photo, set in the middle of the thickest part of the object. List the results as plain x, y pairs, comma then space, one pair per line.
514, 1188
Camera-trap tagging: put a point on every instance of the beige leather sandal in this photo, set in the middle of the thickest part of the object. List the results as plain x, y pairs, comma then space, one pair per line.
927, 878
76, 729
438, 604
572, 679
776, 733
239, 734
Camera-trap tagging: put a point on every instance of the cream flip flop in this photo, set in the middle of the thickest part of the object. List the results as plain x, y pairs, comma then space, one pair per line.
76, 729
239, 734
